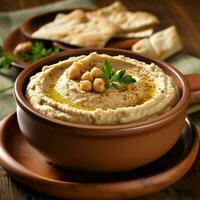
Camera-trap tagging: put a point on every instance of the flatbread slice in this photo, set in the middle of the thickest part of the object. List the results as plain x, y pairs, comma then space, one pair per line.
166, 43
136, 34
59, 16
77, 29
115, 7
161, 45
119, 15
132, 34
74, 15
144, 46
125, 20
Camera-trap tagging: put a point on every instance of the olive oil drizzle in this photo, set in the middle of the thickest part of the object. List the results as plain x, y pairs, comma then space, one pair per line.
53, 94
150, 91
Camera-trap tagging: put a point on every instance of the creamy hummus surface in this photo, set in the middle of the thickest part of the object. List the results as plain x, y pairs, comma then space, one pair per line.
56, 94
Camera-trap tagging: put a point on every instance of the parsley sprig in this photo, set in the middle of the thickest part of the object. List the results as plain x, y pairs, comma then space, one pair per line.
5, 63
117, 78
37, 52
5, 60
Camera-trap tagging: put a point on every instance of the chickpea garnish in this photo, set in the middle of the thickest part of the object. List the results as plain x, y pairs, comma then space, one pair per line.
23, 47
86, 85
96, 72
80, 66
74, 72
87, 76
98, 85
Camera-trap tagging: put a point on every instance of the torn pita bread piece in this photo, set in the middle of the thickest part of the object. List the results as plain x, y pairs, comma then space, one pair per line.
79, 30
74, 15
59, 16
116, 7
144, 46
136, 34
132, 34
114, 12
126, 20
166, 42
161, 45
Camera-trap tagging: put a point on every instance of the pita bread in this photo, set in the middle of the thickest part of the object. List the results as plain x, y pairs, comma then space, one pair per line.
166, 42
77, 29
59, 16
144, 46
74, 15
125, 20
132, 34
162, 44
115, 7
135, 34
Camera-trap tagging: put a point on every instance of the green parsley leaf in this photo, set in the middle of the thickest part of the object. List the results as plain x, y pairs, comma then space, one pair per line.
5, 60
128, 79
115, 79
5, 63
37, 52
121, 73
118, 75
25, 56
1, 52
107, 71
115, 85
108, 67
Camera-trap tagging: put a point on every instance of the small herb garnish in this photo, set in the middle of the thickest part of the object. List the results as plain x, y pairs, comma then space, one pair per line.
117, 78
38, 51
5, 60
5, 63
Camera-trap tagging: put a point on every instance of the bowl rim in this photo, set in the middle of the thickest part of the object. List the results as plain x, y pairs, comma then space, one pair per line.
128, 128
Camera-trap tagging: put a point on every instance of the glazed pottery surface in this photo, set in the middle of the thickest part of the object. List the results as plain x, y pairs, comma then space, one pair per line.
29, 167
100, 148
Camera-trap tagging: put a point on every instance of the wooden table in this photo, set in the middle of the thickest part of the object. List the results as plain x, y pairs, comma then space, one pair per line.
185, 15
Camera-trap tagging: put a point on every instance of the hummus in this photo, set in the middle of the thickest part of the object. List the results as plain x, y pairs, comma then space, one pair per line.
54, 94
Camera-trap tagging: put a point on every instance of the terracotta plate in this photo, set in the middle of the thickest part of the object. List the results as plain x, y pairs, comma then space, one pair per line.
30, 168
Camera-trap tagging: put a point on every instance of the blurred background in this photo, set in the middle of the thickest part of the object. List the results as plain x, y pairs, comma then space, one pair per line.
184, 14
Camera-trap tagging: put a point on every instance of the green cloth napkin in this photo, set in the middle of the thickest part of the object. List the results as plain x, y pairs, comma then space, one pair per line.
10, 20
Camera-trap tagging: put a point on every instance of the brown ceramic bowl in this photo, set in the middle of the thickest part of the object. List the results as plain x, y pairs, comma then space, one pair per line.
100, 148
